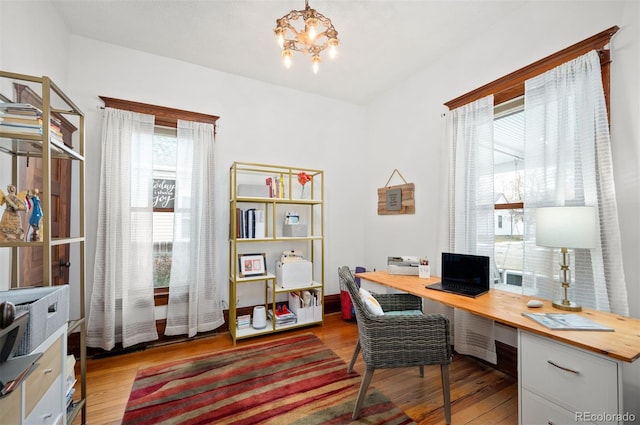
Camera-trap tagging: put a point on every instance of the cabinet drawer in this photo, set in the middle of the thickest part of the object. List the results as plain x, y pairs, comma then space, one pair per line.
536, 410
10, 407
48, 370
48, 410
573, 378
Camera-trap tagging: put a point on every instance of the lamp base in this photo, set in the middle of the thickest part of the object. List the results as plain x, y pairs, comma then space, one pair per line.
559, 304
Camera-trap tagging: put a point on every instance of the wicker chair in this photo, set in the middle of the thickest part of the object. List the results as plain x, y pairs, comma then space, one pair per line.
395, 341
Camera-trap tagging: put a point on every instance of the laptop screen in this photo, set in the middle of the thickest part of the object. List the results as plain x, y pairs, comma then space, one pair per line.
465, 270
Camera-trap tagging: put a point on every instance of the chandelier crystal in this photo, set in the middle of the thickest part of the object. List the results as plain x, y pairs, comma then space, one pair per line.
310, 35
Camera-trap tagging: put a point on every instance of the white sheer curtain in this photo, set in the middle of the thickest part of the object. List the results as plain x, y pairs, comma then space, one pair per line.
194, 299
568, 163
122, 305
469, 141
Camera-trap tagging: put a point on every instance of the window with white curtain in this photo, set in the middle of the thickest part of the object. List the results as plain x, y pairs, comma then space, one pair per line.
176, 145
514, 202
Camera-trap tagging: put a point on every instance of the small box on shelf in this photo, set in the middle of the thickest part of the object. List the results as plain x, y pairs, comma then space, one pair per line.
295, 230
253, 190
297, 274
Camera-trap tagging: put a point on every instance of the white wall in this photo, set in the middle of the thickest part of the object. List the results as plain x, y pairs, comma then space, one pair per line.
409, 122
40, 58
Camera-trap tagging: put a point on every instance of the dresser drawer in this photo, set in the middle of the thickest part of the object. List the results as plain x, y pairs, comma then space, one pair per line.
10, 407
539, 411
572, 378
48, 410
48, 370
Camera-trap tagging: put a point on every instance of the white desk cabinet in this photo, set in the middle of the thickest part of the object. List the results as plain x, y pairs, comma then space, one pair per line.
563, 384
40, 398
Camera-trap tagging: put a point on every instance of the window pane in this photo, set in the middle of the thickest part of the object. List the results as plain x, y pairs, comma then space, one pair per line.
509, 245
164, 167
509, 186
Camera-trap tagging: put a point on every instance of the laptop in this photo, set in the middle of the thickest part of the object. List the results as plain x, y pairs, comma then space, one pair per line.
463, 274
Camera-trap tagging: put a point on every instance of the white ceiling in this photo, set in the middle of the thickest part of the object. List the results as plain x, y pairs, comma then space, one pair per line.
382, 41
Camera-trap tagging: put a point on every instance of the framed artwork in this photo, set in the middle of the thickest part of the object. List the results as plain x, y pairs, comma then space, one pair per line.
252, 265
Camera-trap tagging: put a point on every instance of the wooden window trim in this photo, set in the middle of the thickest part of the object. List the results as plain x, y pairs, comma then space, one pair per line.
512, 85
509, 206
167, 117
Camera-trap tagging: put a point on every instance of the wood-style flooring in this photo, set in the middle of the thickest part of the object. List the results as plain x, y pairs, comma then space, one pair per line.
480, 394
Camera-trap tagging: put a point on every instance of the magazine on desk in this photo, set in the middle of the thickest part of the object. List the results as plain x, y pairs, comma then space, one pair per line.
567, 322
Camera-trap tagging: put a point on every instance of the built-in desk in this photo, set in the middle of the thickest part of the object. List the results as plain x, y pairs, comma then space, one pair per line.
564, 376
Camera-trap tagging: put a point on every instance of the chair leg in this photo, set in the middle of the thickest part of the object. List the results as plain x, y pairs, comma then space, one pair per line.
422, 371
354, 357
366, 380
444, 372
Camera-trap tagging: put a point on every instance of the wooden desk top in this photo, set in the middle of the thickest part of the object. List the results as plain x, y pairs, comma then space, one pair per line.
507, 308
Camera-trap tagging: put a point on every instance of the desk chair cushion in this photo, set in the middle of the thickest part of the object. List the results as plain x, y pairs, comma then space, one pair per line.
404, 313
372, 305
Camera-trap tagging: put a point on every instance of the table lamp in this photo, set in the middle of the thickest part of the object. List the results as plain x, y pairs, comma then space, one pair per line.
565, 228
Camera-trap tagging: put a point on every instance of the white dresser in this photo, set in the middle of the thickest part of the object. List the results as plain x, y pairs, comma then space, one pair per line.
40, 398
563, 384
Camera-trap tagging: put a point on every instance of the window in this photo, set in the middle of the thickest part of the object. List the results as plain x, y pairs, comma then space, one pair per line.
508, 92
508, 185
165, 134
164, 174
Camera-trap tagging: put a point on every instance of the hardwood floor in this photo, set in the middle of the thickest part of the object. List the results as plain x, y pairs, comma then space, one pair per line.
479, 393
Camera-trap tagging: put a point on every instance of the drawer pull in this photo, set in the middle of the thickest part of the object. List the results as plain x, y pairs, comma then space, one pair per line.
47, 371
46, 416
566, 369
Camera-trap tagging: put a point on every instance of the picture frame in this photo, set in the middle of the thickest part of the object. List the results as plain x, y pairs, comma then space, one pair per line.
250, 265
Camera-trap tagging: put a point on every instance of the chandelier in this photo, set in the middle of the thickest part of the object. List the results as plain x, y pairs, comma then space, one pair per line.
314, 34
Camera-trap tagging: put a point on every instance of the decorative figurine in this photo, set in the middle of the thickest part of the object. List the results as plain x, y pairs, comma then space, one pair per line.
35, 219
11, 224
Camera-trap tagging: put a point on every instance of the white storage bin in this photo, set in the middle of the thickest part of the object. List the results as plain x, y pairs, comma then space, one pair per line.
294, 230
48, 309
313, 313
253, 190
296, 274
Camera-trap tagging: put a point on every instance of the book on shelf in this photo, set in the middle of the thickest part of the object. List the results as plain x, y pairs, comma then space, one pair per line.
19, 109
567, 322
276, 186
250, 223
20, 120
283, 315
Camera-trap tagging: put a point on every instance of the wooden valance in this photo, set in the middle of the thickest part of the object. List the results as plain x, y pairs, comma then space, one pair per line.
512, 85
167, 117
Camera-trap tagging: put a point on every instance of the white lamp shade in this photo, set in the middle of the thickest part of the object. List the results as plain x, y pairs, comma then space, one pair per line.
566, 227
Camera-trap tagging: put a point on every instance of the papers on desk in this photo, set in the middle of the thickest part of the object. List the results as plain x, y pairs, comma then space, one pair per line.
567, 322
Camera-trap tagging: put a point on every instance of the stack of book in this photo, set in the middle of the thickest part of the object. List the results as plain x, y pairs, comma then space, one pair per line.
276, 186
250, 223
24, 118
243, 321
283, 315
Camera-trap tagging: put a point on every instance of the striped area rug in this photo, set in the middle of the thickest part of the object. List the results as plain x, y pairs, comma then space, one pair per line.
295, 380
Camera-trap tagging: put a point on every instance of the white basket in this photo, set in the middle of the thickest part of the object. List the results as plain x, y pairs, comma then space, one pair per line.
48, 309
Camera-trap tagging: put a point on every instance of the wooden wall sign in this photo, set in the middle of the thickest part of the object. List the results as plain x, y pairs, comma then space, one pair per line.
396, 199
